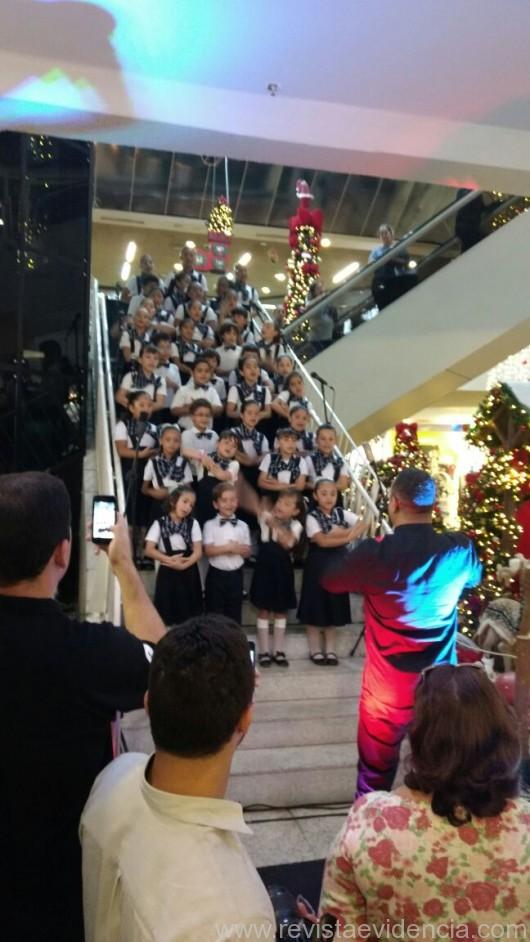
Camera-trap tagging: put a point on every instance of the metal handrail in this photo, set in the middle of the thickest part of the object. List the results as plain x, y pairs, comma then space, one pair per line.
335, 294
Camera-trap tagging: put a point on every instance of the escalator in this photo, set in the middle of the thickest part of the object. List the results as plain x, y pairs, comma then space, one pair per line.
468, 308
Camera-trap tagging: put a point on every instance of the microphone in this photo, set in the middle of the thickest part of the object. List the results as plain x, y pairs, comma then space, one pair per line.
141, 424
323, 382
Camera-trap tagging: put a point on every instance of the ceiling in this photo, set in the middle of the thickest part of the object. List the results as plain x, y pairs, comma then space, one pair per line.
261, 194
438, 92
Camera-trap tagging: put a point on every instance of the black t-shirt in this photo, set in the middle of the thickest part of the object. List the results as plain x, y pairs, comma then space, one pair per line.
61, 682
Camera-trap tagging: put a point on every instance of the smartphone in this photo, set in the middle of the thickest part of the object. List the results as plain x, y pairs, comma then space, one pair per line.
252, 650
103, 518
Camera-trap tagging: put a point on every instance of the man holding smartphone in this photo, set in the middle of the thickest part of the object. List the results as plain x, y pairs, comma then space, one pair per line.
61, 682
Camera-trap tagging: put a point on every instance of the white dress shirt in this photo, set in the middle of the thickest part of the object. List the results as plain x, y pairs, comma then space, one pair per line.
312, 526
229, 357
199, 441
169, 482
216, 533
186, 394
121, 435
328, 471
234, 379
159, 867
127, 384
235, 397
208, 314
233, 470
176, 540
171, 376
284, 477
125, 341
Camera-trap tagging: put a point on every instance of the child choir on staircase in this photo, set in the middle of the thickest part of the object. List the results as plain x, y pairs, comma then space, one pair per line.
214, 415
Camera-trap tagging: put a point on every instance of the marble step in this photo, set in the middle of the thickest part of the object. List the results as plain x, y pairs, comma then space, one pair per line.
302, 731
294, 775
305, 680
296, 644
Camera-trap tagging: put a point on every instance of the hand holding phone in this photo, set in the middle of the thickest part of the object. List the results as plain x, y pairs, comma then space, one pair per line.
103, 519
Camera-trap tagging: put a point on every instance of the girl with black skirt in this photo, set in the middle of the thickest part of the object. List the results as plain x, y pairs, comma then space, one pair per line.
272, 590
165, 472
136, 441
220, 466
329, 529
175, 541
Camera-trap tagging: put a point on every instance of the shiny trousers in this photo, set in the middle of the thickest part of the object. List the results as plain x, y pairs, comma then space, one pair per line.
381, 730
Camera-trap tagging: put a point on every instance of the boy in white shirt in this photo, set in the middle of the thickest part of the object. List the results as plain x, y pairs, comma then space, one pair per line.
325, 462
229, 350
144, 377
199, 440
226, 542
198, 387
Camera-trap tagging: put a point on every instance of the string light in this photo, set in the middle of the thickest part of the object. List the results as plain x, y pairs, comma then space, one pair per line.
220, 221
488, 504
303, 267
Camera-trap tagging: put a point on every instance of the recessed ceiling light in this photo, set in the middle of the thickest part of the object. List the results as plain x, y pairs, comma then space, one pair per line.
245, 259
413, 263
265, 290
178, 266
190, 244
280, 276
346, 272
125, 271
130, 252
325, 242
230, 276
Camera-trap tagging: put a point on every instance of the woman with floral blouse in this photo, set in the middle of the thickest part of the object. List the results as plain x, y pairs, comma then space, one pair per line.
450, 850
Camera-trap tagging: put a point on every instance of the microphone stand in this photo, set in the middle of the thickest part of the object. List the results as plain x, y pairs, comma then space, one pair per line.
132, 484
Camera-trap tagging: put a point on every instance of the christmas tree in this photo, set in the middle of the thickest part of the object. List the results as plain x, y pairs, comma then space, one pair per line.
305, 230
491, 497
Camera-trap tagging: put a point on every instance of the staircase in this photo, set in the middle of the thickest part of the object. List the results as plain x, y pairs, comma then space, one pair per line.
301, 747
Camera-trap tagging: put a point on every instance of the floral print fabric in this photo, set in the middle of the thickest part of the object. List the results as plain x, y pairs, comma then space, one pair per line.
396, 863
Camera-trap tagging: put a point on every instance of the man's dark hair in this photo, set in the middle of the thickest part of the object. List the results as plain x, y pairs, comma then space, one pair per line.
415, 489
34, 518
200, 683
465, 749
149, 279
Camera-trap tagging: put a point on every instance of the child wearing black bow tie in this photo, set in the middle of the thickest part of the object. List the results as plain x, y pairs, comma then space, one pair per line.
229, 350
226, 544
217, 466
199, 440
252, 444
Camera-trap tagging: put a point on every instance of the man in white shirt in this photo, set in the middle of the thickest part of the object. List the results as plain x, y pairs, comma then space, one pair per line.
148, 283
162, 853
188, 257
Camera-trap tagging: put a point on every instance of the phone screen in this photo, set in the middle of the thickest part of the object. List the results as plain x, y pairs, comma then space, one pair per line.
252, 649
104, 517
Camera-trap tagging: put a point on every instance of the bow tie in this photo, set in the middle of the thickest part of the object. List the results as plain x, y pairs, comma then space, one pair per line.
164, 366
232, 520
207, 435
230, 347
201, 386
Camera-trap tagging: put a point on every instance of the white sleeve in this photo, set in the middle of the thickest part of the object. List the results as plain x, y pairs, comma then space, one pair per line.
207, 532
132, 285
173, 352
196, 535
179, 313
268, 398
126, 382
188, 476
310, 469
283, 396
210, 316
232, 378
246, 533
296, 529
214, 397
233, 468
120, 432
233, 395
344, 470
350, 517
169, 306
265, 464
149, 472
162, 389
153, 534
125, 340
312, 526
180, 398
135, 303
265, 446
303, 466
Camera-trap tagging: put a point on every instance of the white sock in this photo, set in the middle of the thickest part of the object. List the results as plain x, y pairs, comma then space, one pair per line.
262, 624
280, 624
